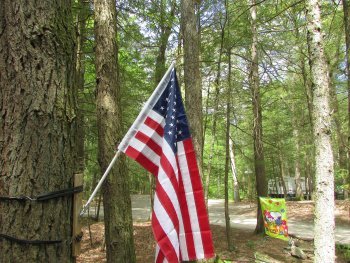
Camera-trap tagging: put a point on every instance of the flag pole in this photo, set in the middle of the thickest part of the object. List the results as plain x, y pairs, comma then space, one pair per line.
100, 182
150, 103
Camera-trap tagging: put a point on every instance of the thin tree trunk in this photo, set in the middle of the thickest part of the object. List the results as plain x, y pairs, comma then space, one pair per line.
81, 18
151, 192
217, 84
347, 44
341, 141
227, 158
297, 176
324, 194
166, 22
236, 197
192, 78
282, 172
259, 163
116, 195
37, 127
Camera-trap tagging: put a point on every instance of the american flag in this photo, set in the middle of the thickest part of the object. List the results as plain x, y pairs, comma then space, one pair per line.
161, 142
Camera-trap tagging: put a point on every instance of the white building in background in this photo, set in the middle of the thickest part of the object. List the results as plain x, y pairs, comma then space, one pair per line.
275, 186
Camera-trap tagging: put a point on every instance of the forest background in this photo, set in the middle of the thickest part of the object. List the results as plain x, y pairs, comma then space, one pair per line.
253, 100
148, 30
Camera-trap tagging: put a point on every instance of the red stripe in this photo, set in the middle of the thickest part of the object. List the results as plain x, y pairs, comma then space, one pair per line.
142, 159
160, 257
149, 142
155, 126
163, 241
167, 205
186, 220
199, 199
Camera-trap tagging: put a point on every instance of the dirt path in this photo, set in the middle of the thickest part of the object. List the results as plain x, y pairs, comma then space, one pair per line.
245, 242
300, 218
243, 216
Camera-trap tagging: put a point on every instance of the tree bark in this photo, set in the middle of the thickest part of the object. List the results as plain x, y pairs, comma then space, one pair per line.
192, 78
116, 195
347, 44
227, 159
37, 127
166, 22
324, 185
297, 176
259, 162
81, 17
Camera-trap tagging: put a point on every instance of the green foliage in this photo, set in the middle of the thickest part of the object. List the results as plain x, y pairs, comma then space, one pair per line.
344, 250
284, 76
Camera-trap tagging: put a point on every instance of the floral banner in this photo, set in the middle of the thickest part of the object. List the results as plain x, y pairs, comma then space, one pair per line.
275, 217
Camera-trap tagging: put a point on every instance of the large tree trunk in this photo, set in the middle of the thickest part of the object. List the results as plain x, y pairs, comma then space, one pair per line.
116, 196
347, 43
37, 127
324, 185
259, 162
192, 78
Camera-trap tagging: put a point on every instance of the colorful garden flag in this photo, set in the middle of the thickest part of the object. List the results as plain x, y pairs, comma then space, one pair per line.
275, 217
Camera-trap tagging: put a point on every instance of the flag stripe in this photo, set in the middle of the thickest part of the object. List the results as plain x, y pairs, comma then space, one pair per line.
165, 232
199, 199
185, 172
156, 117
142, 159
156, 126
152, 134
187, 236
149, 142
168, 206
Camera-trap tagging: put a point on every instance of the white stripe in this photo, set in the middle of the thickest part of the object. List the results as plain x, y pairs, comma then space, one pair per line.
157, 253
169, 189
165, 182
182, 240
152, 134
190, 200
169, 154
156, 117
145, 150
166, 224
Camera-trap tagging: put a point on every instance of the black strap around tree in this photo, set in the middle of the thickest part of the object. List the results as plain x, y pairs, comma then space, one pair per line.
44, 197
39, 198
29, 242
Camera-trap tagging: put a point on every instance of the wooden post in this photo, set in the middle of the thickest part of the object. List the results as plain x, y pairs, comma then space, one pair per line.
77, 203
